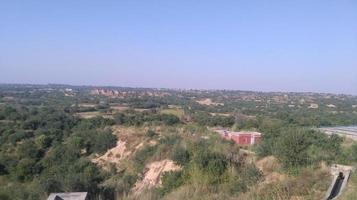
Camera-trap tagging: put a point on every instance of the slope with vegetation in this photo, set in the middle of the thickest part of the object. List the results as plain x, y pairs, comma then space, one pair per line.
158, 144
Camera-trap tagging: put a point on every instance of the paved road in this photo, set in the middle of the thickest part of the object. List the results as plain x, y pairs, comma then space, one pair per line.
348, 131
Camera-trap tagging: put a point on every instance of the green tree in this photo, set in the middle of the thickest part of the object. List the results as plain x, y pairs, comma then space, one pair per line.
293, 145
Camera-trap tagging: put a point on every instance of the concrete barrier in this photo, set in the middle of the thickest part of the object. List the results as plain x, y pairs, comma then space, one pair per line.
341, 174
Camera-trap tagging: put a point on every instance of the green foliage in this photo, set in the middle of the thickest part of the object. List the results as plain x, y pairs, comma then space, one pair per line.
170, 181
250, 174
126, 183
170, 140
45, 148
103, 141
44, 152
213, 164
18, 136
25, 169
246, 124
139, 118
169, 119
92, 140
180, 155
205, 119
236, 186
150, 133
28, 149
292, 150
142, 155
354, 152
296, 147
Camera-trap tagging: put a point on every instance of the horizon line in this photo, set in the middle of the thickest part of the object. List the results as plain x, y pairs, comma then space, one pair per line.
178, 88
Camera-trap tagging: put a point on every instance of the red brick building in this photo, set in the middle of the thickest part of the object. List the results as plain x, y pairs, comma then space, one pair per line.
242, 137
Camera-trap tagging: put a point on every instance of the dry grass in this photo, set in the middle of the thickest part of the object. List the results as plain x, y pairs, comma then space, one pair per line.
196, 192
209, 102
130, 140
114, 156
88, 115
87, 105
310, 183
119, 108
221, 114
174, 111
348, 142
153, 174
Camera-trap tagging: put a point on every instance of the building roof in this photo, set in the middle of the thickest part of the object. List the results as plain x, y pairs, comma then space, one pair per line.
239, 133
68, 196
245, 133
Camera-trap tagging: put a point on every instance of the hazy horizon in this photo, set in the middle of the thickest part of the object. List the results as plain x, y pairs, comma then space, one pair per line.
301, 46
172, 88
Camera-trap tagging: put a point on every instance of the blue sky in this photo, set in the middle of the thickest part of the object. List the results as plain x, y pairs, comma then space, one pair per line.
245, 45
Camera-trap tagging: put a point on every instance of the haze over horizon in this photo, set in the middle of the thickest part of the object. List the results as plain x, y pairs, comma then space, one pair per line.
301, 46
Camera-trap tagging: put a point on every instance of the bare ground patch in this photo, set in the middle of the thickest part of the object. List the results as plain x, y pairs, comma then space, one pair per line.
153, 173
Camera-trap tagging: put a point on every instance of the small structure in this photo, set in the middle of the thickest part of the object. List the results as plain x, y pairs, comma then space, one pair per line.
314, 106
68, 196
340, 174
242, 138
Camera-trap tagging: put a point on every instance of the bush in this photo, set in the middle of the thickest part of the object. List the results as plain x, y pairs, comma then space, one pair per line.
25, 169
103, 141
139, 118
236, 186
292, 150
212, 164
180, 155
18, 136
170, 181
169, 119
205, 119
150, 133
142, 155
170, 140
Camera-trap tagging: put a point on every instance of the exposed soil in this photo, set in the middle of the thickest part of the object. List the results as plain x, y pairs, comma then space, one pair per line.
129, 141
113, 156
208, 102
153, 173
269, 166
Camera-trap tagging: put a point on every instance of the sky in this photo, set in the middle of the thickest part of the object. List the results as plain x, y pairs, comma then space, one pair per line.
297, 46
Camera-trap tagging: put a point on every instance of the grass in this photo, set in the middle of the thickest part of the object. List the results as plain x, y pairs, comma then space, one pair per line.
174, 111
87, 115
88, 105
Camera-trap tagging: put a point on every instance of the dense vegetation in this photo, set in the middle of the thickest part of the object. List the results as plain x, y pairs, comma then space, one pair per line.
43, 150
46, 145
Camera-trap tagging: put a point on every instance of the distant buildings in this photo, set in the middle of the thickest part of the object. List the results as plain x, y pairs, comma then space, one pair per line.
68, 196
331, 106
242, 138
314, 106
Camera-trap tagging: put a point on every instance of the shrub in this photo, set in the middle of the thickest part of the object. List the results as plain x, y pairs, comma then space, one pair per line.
103, 141
236, 186
212, 164
292, 150
170, 181
169, 119
180, 155
170, 140
150, 133
142, 156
